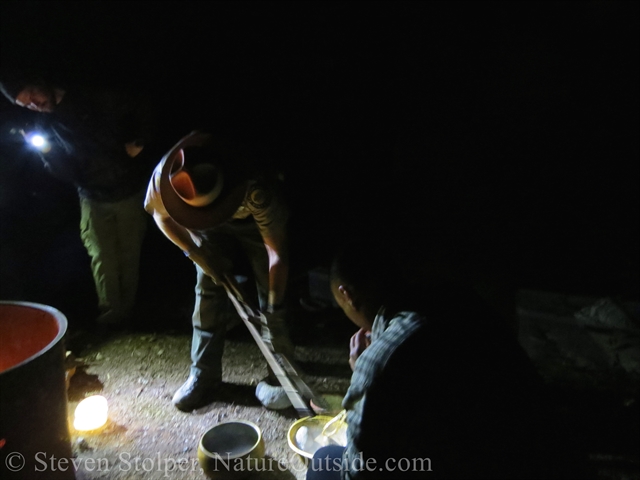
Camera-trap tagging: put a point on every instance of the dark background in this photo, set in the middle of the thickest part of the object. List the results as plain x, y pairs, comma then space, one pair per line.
498, 137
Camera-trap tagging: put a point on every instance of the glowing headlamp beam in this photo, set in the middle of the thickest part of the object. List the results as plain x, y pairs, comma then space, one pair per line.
37, 141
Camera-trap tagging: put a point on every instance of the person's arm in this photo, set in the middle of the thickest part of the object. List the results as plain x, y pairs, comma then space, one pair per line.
180, 236
277, 250
176, 233
266, 203
196, 251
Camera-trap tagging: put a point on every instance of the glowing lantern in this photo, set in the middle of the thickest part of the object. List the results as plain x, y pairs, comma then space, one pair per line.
91, 413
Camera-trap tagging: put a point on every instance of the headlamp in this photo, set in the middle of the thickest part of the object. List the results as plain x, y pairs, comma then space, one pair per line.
37, 140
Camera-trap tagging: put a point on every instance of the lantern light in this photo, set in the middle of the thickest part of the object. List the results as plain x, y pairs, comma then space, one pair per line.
91, 413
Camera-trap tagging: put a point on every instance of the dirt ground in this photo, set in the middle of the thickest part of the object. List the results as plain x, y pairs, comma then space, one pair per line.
147, 438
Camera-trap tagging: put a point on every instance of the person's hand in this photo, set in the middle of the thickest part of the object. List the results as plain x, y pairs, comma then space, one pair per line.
279, 333
358, 343
208, 262
133, 148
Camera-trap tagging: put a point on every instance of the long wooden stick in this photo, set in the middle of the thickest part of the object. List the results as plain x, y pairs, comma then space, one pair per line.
295, 388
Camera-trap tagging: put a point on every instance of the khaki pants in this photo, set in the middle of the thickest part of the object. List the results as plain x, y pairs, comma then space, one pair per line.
113, 233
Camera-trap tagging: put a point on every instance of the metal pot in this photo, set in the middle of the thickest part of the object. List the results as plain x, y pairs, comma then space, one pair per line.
34, 426
231, 450
309, 434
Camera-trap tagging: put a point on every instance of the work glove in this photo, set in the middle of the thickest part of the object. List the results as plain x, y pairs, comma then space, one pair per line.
269, 391
277, 333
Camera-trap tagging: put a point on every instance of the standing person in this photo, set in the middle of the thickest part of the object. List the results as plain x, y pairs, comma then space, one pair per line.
211, 202
438, 390
95, 141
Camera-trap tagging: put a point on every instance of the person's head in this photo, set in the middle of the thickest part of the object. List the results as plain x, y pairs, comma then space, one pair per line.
362, 280
32, 93
396, 273
195, 178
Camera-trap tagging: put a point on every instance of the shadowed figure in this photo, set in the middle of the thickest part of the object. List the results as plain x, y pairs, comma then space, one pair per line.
440, 386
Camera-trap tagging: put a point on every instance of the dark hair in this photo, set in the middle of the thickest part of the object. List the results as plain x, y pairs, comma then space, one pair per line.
368, 268
397, 273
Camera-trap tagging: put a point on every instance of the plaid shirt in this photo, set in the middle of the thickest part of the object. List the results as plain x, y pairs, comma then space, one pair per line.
387, 335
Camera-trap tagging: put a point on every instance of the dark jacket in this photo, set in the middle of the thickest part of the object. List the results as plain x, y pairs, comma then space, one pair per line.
88, 131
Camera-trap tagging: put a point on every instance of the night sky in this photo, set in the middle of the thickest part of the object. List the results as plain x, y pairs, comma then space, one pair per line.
502, 136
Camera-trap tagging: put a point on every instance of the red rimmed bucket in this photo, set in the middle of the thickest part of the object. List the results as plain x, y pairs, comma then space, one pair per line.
34, 430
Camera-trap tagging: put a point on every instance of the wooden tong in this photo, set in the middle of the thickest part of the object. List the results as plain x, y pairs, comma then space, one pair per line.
299, 393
